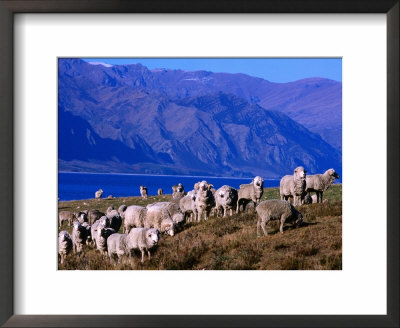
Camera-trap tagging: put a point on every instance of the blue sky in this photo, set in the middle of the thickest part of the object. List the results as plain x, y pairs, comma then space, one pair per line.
271, 69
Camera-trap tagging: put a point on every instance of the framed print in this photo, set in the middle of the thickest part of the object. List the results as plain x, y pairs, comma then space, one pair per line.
68, 67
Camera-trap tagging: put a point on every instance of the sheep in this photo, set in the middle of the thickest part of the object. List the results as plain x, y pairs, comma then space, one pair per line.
88, 232
226, 199
159, 218
98, 194
79, 235
152, 217
102, 235
64, 245
173, 210
275, 209
294, 186
110, 197
66, 216
81, 217
121, 210
178, 191
109, 209
94, 215
103, 222
250, 192
204, 200
187, 205
134, 217
143, 239
143, 192
320, 182
115, 219
160, 192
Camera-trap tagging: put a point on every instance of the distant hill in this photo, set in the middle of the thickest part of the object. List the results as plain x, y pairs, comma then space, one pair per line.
132, 119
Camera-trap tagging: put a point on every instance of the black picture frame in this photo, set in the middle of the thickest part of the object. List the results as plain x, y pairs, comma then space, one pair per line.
11, 7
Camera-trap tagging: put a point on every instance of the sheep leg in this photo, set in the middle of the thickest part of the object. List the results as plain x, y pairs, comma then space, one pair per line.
149, 255
283, 219
142, 250
259, 227
321, 196
264, 226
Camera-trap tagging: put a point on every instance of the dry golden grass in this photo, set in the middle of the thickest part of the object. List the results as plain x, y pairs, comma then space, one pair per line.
231, 243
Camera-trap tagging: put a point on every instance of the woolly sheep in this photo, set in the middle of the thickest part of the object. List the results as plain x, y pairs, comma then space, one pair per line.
294, 186
102, 235
66, 216
98, 194
79, 235
81, 217
94, 215
173, 210
64, 245
88, 232
187, 205
160, 219
250, 192
134, 217
109, 209
121, 210
115, 219
160, 192
103, 222
204, 200
226, 199
276, 209
321, 182
143, 239
178, 191
143, 192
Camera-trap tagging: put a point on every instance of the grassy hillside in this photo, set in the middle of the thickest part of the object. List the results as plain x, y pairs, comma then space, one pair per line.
231, 243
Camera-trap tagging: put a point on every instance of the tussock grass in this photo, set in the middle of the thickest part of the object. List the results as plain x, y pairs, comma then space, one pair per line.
231, 243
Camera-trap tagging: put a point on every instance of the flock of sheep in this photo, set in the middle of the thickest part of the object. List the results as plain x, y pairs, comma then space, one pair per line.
142, 226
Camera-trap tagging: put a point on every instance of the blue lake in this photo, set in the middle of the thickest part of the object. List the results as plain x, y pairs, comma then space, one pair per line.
75, 186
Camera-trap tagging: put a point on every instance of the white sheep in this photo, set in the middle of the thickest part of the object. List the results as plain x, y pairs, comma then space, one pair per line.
64, 245
98, 194
102, 235
204, 200
134, 217
79, 235
178, 191
226, 199
250, 192
93, 215
173, 210
81, 217
160, 219
187, 205
103, 222
143, 239
321, 182
121, 210
294, 186
160, 192
66, 216
143, 192
275, 209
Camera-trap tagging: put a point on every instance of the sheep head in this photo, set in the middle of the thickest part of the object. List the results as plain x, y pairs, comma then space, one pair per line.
152, 237
300, 172
258, 182
333, 173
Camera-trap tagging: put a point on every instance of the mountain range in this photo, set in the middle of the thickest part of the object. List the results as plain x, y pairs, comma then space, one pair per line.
128, 118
